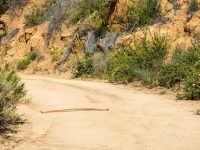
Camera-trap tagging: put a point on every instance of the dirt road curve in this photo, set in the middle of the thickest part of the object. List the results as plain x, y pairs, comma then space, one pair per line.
135, 120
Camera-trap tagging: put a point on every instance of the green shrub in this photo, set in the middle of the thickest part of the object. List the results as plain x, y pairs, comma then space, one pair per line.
23, 64
183, 69
193, 6
141, 62
12, 91
31, 55
83, 67
39, 15
151, 49
34, 18
95, 23
146, 76
143, 11
171, 74
86, 8
192, 86
190, 60
55, 55
121, 67
192, 55
163, 92
90, 66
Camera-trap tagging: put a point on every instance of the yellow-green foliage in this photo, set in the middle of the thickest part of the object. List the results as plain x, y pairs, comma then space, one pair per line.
83, 67
39, 15
145, 62
86, 8
23, 64
193, 6
55, 55
143, 11
12, 91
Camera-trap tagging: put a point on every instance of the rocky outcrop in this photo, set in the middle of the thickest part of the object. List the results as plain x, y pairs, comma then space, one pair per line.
110, 41
91, 43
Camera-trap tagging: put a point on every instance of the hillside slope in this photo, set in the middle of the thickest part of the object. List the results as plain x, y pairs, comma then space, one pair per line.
174, 20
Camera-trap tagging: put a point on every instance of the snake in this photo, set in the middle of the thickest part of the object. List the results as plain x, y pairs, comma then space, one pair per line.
74, 109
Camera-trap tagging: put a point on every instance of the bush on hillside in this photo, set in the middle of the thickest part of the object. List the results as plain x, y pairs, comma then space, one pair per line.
23, 64
139, 62
34, 18
83, 67
55, 55
40, 15
183, 69
12, 92
143, 11
193, 6
100, 10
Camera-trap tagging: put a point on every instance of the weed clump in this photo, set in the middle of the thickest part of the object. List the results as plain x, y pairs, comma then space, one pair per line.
39, 15
23, 64
142, 12
90, 66
34, 18
83, 67
12, 92
193, 6
55, 55
141, 62
96, 12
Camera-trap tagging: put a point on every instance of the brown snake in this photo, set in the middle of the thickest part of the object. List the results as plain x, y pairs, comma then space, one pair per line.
74, 109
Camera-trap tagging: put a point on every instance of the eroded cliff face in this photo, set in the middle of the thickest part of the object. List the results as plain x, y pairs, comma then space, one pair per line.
175, 21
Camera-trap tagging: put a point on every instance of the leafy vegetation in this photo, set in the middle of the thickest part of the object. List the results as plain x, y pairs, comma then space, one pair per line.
34, 18
193, 6
39, 15
183, 69
12, 92
95, 12
23, 64
55, 55
145, 62
140, 62
90, 66
143, 11
83, 67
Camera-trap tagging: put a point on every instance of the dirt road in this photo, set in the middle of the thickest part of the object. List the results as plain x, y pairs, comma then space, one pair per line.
136, 120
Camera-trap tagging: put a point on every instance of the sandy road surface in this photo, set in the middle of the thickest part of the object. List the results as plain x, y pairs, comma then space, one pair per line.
135, 121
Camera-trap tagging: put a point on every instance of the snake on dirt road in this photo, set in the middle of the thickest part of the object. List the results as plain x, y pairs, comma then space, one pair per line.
74, 109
